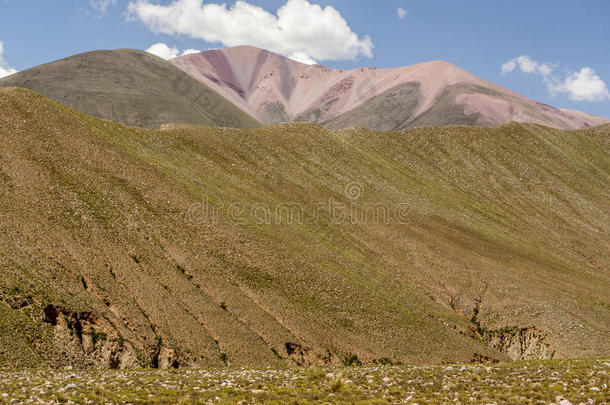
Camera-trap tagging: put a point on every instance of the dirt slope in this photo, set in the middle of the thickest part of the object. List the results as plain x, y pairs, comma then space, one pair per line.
495, 244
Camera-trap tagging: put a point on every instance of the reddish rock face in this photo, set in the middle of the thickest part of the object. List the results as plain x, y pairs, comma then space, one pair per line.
275, 89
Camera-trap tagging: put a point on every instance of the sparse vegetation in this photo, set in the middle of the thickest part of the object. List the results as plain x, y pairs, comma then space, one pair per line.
384, 361
98, 336
544, 382
337, 383
352, 360
274, 351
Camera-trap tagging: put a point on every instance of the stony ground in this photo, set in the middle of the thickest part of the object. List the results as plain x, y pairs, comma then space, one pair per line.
540, 382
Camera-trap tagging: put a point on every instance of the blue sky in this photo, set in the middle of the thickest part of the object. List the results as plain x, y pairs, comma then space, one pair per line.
567, 41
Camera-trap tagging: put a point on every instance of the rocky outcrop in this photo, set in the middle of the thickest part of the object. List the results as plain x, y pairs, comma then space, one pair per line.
165, 358
306, 356
84, 334
520, 343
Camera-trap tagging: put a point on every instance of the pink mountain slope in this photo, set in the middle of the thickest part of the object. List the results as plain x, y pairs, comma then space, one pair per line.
275, 89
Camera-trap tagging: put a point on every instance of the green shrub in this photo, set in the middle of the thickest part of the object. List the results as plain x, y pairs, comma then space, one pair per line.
337, 383
352, 360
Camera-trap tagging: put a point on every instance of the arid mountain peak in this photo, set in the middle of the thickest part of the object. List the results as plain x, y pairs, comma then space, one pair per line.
276, 89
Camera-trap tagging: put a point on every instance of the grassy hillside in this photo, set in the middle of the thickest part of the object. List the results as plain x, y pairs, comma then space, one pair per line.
123, 246
131, 87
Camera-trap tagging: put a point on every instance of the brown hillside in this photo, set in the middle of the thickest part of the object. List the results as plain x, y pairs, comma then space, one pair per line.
496, 244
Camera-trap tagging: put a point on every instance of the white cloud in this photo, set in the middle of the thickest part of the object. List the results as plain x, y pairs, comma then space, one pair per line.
584, 85
299, 27
303, 58
101, 5
401, 12
5, 69
163, 51
527, 65
167, 52
190, 51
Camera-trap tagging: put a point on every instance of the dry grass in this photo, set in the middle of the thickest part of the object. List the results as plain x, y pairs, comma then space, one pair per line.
549, 382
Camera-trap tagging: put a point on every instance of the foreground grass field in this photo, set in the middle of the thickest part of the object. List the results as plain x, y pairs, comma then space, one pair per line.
535, 382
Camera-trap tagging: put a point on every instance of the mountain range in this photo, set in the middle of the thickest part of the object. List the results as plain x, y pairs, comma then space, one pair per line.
276, 89
247, 87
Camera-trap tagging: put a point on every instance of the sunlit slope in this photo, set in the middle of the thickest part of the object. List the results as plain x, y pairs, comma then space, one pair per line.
129, 247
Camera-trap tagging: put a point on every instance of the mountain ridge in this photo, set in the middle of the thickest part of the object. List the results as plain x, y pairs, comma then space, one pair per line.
274, 88
246, 87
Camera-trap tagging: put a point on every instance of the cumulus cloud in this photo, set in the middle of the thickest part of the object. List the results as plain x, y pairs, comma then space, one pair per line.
527, 65
302, 57
5, 69
164, 51
167, 52
101, 5
402, 13
584, 85
190, 51
298, 29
